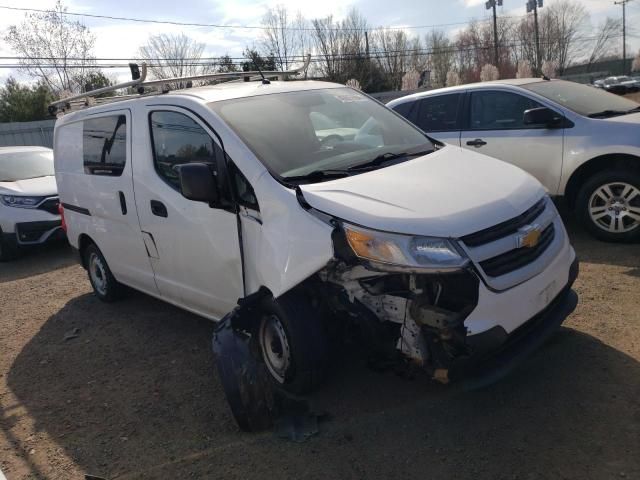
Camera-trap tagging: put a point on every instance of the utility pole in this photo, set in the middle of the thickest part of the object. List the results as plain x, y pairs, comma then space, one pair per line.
491, 4
532, 6
624, 34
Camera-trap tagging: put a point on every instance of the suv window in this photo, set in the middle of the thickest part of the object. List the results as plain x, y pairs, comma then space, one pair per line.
499, 110
439, 113
104, 145
178, 139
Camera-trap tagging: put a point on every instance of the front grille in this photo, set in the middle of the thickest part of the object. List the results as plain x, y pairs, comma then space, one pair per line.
505, 228
50, 205
519, 257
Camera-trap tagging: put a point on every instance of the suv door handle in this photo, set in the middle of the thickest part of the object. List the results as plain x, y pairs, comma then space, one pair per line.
123, 203
478, 142
158, 209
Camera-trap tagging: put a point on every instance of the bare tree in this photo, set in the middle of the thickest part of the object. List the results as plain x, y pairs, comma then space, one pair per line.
391, 48
602, 44
410, 80
284, 37
441, 56
53, 49
341, 47
549, 68
173, 56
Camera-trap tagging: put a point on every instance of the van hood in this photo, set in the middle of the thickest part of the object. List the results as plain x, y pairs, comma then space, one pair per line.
36, 187
449, 193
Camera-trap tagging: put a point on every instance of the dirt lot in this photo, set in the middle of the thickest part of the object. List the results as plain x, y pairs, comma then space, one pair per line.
135, 394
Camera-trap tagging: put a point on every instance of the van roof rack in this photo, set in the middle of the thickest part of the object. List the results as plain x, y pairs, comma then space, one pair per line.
146, 87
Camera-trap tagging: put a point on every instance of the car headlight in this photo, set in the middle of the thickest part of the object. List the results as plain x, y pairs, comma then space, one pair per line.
20, 201
404, 250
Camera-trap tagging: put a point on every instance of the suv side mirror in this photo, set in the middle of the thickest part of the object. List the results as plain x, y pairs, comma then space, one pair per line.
198, 182
542, 116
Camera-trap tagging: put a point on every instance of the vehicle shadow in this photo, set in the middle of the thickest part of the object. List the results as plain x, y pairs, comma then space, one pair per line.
38, 260
136, 391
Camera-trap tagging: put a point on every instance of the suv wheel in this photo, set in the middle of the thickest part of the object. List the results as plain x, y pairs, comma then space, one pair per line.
292, 342
609, 206
104, 284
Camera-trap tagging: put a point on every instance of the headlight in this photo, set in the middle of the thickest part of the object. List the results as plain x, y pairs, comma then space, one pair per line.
18, 201
404, 250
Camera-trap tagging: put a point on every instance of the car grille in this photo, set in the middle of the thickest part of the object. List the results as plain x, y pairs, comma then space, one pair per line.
50, 205
501, 260
519, 257
505, 228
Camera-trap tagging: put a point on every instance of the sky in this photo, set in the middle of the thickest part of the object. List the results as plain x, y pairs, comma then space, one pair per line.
121, 39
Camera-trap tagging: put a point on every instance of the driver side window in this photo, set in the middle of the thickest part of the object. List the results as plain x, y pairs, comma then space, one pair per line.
177, 139
499, 110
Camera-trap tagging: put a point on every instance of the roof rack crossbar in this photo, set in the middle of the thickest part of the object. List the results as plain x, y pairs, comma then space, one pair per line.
139, 75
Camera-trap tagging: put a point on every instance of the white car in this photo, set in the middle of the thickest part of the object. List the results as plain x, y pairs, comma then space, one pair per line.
28, 199
233, 202
581, 143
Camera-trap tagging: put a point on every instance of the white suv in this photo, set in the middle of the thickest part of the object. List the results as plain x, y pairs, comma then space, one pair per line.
284, 206
581, 143
28, 199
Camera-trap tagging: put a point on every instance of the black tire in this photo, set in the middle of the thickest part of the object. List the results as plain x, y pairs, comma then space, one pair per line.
104, 284
9, 249
306, 338
587, 200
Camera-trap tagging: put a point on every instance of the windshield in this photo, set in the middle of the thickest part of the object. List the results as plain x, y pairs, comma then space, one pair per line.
580, 98
23, 165
316, 131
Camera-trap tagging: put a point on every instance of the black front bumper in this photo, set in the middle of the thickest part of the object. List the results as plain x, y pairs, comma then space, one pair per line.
497, 353
33, 233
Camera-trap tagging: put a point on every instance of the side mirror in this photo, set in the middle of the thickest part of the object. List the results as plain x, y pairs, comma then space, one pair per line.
542, 116
198, 183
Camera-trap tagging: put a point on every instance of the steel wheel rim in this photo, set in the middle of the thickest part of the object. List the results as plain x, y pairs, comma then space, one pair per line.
615, 207
275, 347
98, 274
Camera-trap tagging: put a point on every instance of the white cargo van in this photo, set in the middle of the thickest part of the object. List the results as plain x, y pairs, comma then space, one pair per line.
293, 203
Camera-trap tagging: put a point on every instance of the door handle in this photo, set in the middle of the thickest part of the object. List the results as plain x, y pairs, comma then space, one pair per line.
123, 203
158, 209
478, 142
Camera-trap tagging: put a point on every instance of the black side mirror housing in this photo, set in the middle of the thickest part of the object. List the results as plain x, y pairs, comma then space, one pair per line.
543, 116
198, 182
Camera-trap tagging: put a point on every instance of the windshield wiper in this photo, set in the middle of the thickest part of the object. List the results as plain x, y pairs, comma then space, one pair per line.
319, 175
385, 157
613, 113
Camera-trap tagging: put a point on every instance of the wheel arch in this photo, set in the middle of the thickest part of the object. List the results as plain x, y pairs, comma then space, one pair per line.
84, 241
593, 166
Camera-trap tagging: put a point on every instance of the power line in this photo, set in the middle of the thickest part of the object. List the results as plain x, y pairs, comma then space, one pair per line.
249, 27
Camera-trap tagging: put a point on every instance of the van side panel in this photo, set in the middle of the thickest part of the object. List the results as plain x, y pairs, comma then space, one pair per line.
93, 207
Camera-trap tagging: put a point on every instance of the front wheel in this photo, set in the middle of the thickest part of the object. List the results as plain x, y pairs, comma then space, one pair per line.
608, 206
9, 249
292, 342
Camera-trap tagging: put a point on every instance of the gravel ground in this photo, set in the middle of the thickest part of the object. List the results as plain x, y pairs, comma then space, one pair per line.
135, 395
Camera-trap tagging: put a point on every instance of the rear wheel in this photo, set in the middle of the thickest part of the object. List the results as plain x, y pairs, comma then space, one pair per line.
104, 284
292, 342
609, 206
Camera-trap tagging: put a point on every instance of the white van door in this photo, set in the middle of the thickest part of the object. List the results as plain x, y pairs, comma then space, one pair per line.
196, 258
98, 179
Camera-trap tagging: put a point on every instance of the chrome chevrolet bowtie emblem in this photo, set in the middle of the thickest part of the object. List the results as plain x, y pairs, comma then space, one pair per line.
528, 236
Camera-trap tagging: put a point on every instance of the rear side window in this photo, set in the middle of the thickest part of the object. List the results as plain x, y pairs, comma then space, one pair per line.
104, 145
178, 139
404, 109
499, 110
439, 114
